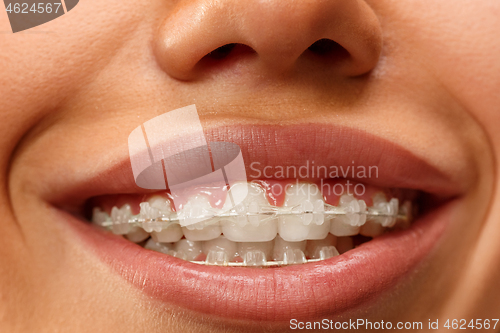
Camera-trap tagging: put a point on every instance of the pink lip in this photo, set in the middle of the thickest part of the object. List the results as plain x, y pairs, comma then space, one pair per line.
303, 291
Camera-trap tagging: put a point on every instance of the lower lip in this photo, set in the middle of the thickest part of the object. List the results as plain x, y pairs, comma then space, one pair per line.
304, 291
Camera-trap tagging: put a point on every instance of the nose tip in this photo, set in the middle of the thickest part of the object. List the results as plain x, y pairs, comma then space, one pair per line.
278, 34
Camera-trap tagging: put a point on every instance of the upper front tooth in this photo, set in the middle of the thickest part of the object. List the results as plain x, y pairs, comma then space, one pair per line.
196, 209
251, 228
205, 229
303, 197
120, 218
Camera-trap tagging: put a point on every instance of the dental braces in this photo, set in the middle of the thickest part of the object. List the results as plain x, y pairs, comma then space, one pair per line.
354, 210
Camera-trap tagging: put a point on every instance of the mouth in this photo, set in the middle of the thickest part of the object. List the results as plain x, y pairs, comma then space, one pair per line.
299, 246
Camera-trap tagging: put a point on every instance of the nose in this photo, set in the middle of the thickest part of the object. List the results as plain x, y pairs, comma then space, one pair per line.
344, 36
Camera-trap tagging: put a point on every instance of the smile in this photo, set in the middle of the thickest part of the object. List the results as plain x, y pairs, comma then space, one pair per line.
296, 244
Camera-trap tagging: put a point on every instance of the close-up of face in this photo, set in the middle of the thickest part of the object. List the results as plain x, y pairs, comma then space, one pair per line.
357, 188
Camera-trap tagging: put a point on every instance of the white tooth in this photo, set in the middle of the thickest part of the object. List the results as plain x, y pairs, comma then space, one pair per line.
389, 209
355, 210
293, 257
162, 204
137, 235
196, 211
194, 216
327, 252
159, 247
303, 197
314, 247
99, 217
379, 197
281, 247
207, 233
171, 234
178, 254
218, 246
120, 219
147, 212
189, 248
254, 228
254, 258
371, 229
340, 227
344, 244
217, 257
264, 247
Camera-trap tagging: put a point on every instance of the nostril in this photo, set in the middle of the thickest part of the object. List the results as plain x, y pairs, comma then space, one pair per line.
221, 52
326, 47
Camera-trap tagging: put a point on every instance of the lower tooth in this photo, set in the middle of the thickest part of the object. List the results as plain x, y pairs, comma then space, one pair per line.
190, 249
327, 252
264, 247
281, 247
171, 234
314, 247
158, 247
137, 235
215, 248
293, 256
341, 227
371, 229
217, 257
254, 258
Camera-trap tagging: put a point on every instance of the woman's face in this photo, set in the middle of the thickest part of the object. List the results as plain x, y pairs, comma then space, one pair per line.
408, 86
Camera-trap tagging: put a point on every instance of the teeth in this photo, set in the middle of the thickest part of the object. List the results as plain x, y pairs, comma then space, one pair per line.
171, 234
197, 206
191, 250
340, 227
383, 207
304, 198
266, 248
99, 217
251, 228
120, 219
254, 258
159, 247
355, 210
255, 233
219, 251
286, 250
318, 249
147, 212
137, 235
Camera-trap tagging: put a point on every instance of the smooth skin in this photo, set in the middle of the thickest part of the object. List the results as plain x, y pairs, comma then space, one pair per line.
424, 74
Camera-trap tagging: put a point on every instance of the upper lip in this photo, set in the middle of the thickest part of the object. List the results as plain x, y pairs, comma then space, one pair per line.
294, 145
